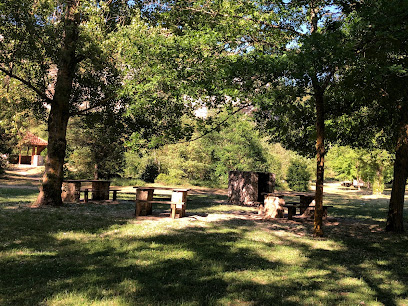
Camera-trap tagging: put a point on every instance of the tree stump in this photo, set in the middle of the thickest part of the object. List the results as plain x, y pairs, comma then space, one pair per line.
100, 190
71, 191
143, 206
272, 208
247, 188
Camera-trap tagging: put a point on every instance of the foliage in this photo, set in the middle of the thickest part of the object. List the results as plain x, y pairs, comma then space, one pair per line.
150, 171
344, 161
4, 148
299, 174
119, 181
376, 168
237, 146
173, 177
96, 145
372, 166
208, 159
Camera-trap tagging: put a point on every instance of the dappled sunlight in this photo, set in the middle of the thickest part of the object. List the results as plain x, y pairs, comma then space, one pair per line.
218, 254
73, 236
80, 298
26, 253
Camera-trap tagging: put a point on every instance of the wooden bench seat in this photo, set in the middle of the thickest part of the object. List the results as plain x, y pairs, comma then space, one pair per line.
87, 190
114, 193
291, 206
145, 197
292, 203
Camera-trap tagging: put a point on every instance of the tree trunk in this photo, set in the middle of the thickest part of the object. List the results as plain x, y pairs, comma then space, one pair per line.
320, 152
319, 99
395, 220
50, 192
96, 172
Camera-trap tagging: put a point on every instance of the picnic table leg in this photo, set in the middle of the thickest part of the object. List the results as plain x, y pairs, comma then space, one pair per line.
114, 195
143, 207
86, 195
173, 210
179, 198
291, 212
137, 208
305, 202
100, 190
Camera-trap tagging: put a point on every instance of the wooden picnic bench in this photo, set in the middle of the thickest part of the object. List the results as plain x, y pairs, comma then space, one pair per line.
292, 207
304, 203
71, 190
87, 190
146, 196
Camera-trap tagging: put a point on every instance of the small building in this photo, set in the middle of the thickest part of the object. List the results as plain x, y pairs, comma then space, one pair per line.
34, 144
248, 187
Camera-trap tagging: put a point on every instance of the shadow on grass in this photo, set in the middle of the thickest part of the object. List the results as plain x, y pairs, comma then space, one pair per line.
107, 257
218, 263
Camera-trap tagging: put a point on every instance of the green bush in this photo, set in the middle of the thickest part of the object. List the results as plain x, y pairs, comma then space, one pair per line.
298, 176
174, 177
119, 181
150, 171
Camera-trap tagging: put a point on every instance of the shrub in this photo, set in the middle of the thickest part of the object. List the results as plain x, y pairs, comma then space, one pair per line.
150, 171
175, 177
298, 176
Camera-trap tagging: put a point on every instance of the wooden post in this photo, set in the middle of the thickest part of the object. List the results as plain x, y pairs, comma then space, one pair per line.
305, 201
143, 207
32, 155
86, 195
179, 198
71, 191
100, 190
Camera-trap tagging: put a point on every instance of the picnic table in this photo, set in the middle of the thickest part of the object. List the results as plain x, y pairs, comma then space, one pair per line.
71, 190
146, 196
305, 198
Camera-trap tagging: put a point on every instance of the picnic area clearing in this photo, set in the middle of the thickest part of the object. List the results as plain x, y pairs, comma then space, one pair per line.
98, 253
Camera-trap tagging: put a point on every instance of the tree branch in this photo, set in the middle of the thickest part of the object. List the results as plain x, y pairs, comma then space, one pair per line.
99, 104
40, 93
215, 127
264, 23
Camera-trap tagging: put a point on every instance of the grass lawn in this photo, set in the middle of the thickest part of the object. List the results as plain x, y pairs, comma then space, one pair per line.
220, 254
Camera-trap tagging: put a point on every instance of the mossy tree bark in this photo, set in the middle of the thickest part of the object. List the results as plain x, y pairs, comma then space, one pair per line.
50, 193
320, 152
395, 220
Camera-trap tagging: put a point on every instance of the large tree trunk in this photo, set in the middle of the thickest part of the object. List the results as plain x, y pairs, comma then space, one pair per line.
320, 152
50, 193
319, 99
395, 221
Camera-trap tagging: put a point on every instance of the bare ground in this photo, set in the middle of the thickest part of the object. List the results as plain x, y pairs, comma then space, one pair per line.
29, 177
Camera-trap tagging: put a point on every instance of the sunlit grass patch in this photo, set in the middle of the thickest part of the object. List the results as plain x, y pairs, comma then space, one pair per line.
99, 254
107, 298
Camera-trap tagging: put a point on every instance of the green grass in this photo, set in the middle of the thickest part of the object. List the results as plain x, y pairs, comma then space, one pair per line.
82, 254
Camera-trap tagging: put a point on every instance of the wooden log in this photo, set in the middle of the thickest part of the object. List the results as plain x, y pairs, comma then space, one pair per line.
273, 207
247, 188
179, 199
309, 212
305, 201
71, 191
100, 190
143, 207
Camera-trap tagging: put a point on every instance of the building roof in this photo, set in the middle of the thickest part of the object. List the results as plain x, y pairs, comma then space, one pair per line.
33, 140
